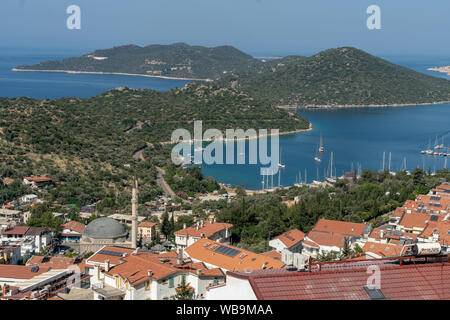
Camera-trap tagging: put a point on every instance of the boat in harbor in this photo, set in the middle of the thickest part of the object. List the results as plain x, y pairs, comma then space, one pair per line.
331, 178
280, 164
321, 147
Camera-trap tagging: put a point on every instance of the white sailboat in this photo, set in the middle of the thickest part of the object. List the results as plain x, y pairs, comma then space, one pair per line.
321, 147
281, 165
331, 178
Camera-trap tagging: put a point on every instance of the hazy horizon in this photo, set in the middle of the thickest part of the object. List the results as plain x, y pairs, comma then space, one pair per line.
257, 27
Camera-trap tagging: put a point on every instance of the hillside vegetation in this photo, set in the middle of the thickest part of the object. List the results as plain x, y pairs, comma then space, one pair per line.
177, 60
344, 76
87, 145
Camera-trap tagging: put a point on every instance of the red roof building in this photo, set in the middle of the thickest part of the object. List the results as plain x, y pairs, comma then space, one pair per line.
417, 282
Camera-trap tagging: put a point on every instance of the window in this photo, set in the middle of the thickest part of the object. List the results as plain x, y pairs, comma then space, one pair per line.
183, 277
171, 285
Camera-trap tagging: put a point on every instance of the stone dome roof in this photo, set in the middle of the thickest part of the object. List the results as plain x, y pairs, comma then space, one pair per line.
105, 228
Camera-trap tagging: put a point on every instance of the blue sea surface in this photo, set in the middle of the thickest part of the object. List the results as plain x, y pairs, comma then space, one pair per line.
358, 137
54, 85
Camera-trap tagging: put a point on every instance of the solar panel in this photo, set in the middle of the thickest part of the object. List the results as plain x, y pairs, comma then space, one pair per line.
111, 253
231, 252
434, 218
374, 293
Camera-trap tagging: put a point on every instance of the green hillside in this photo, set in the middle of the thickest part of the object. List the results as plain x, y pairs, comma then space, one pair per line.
344, 76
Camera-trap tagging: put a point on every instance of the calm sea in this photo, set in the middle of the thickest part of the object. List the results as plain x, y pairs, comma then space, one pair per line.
357, 137
41, 85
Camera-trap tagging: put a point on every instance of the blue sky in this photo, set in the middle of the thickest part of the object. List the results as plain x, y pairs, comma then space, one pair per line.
409, 27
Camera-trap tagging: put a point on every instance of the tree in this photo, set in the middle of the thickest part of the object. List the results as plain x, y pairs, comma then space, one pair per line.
346, 250
184, 291
165, 225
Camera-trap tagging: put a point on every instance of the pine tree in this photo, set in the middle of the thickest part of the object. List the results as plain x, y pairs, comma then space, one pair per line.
184, 292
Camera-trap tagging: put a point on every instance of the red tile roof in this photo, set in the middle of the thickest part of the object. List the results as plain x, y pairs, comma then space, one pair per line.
272, 254
56, 263
416, 220
39, 179
291, 237
341, 227
249, 261
17, 230
327, 239
8, 181
74, 226
19, 272
419, 282
208, 229
441, 229
147, 224
135, 268
382, 249
113, 259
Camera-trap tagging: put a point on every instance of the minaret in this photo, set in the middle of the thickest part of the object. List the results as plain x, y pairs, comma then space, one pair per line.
134, 213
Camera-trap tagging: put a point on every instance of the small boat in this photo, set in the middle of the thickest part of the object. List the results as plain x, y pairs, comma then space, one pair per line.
321, 147
280, 164
317, 159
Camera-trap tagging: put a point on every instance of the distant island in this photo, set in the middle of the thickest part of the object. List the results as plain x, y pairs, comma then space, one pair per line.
445, 69
176, 61
332, 78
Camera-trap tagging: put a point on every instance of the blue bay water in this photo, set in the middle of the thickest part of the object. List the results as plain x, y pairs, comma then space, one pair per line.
357, 137
52, 85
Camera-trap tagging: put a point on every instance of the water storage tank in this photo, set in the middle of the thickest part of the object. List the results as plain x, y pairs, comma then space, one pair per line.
425, 249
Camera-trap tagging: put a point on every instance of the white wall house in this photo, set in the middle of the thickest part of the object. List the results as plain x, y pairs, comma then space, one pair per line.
215, 231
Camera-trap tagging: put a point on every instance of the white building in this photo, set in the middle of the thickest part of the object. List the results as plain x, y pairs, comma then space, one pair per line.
215, 231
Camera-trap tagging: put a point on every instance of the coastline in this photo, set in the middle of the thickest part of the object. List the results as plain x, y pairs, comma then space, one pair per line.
341, 106
113, 73
245, 139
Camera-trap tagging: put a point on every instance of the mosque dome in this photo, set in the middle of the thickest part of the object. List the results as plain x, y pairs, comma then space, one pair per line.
105, 228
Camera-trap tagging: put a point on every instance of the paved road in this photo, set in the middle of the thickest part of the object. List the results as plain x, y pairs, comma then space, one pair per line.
163, 184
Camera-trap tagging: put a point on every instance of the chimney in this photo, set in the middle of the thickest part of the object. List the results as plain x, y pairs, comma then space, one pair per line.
202, 223
180, 257
184, 225
134, 213
198, 225
107, 265
149, 273
382, 234
199, 272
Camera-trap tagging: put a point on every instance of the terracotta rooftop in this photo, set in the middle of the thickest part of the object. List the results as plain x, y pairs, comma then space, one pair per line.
382, 249
341, 227
441, 229
417, 282
417, 220
208, 229
39, 179
272, 254
8, 181
147, 224
19, 272
135, 268
74, 226
17, 230
291, 237
327, 239
205, 250
56, 262
102, 255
